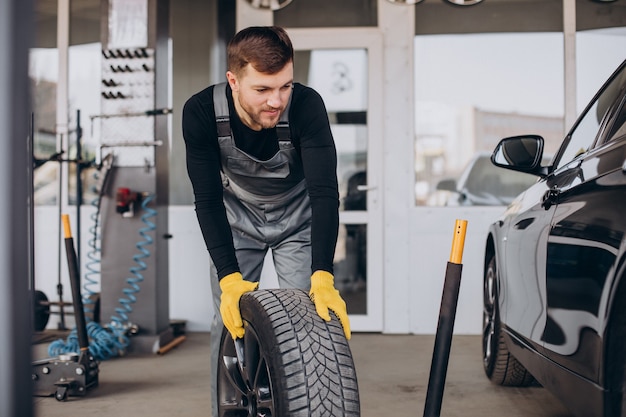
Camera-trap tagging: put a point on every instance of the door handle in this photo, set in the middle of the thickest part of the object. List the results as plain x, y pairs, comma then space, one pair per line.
550, 197
365, 187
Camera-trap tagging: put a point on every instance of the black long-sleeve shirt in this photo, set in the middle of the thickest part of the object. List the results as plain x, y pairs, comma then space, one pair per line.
310, 135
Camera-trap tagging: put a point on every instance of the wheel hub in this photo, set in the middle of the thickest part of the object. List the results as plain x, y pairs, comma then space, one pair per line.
251, 404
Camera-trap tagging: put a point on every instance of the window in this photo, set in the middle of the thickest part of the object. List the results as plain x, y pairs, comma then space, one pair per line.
586, 130
618, 129
83, 97
471, 91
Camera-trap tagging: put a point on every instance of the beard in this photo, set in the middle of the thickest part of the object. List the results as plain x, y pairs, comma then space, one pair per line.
259, 116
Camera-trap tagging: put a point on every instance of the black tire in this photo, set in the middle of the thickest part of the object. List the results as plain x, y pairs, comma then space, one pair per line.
91, 307
292, 363
41, 311
500, 366
615, 362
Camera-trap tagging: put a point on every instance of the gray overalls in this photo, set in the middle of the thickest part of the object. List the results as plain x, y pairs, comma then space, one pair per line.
264, 212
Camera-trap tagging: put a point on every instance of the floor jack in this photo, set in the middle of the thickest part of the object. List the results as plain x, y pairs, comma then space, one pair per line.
74, 373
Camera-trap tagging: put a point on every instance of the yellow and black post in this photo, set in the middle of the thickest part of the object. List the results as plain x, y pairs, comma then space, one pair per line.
445, 327
77, 301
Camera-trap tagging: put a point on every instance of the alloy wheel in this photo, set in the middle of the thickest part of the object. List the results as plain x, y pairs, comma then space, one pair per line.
489, 314
245, 388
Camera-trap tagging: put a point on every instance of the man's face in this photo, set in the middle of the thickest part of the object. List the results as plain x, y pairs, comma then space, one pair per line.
261, 98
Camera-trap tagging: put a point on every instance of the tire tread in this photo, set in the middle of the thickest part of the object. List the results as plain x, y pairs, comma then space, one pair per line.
316, 367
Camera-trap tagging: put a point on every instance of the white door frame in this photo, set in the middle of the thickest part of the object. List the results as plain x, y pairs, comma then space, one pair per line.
372, 40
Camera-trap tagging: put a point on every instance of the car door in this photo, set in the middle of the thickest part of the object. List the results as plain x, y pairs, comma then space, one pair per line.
588, 190
527, 225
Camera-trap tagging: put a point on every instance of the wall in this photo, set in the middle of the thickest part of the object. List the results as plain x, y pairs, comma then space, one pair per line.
416, 242
430, 234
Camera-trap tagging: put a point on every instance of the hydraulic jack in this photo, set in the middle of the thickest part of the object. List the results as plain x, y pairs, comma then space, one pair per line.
74, 373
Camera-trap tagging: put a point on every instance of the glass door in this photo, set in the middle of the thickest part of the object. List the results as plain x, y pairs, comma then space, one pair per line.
342, 64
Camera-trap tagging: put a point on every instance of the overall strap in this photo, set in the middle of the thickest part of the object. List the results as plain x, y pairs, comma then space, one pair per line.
282, 128
222, 116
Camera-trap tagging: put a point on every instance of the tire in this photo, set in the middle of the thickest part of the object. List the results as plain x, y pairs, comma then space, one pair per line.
292, 363
41, 311
500, 366
615, 362
91, 306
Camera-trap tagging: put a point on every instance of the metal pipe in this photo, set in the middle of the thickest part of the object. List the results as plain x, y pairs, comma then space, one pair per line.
62, 117
79, 183
16, 386
99, 157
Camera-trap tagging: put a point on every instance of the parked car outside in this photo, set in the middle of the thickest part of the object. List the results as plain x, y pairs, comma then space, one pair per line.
555, 264
482, 184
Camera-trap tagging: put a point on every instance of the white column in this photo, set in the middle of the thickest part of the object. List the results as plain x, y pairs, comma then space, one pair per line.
569, 48
63, 41
62, 129
397, 23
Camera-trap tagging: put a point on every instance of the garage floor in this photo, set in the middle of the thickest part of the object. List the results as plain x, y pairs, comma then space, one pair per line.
392, 371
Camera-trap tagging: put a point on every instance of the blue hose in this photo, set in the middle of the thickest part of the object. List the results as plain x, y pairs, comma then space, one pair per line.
108, 342
92, 276
120, 321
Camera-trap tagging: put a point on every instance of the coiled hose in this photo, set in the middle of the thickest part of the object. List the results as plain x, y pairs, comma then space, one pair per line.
120, 321
111, 341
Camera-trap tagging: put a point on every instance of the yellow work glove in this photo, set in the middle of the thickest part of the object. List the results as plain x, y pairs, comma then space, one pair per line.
233, 287
326, 297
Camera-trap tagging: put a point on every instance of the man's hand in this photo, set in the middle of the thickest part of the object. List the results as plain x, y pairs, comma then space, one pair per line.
233, 287
326, 297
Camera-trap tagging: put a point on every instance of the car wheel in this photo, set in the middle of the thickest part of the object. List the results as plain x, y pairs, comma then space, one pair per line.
500, 366
615, 370
290, 362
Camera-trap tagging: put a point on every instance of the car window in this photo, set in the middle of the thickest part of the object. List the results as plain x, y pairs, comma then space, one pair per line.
505, 184
487, 184
619, 127
585, 132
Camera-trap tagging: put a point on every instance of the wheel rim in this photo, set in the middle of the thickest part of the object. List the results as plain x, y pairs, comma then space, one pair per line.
244, 379
489, 314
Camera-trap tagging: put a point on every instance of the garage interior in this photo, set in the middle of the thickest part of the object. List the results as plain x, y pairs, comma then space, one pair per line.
396, 317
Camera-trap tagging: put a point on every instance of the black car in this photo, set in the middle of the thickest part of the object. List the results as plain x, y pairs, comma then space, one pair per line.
555, 264
484, 184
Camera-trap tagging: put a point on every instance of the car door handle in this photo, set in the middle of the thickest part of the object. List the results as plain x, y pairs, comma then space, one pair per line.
365, 187
550, 197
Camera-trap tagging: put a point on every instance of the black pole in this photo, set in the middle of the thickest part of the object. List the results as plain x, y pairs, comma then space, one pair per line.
443, 340
31, 214
79, 184
445, 326
77, 302
61, 324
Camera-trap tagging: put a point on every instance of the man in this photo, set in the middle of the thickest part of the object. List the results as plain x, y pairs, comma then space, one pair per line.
261, 184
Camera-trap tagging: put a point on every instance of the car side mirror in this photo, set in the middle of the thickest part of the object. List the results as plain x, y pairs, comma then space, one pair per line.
447, 185
520, 153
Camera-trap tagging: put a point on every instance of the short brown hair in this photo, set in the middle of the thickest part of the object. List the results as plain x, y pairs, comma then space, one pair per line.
267, 48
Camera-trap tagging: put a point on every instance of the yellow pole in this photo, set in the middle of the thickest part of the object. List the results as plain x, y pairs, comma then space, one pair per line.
67, 231
458, 241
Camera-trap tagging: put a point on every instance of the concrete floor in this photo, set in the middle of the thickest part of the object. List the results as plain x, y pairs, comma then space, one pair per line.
392, 372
